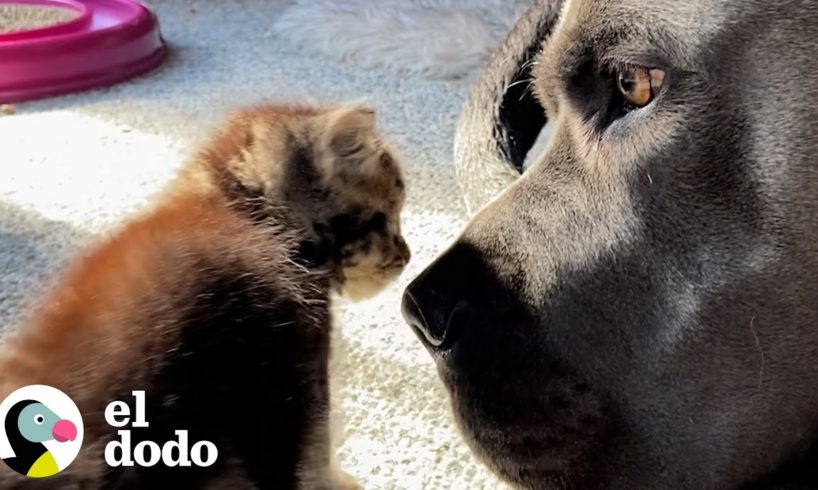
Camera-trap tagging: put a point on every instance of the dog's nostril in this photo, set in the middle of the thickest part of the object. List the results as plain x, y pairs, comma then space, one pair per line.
456, 322
414, 316
437, 326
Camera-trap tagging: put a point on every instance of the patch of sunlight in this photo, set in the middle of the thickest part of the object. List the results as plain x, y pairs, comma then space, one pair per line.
81, 170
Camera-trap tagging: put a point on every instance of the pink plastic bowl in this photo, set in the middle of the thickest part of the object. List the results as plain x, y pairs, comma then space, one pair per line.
110, 41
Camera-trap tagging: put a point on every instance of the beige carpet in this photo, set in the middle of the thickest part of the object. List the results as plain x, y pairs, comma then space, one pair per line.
23, 17
72, 167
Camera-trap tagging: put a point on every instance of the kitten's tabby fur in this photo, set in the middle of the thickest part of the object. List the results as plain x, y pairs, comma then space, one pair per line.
215, 302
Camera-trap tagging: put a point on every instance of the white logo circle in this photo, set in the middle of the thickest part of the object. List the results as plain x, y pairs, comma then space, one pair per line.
45, 426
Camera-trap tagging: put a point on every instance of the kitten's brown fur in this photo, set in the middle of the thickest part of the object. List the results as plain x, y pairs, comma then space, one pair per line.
216, 302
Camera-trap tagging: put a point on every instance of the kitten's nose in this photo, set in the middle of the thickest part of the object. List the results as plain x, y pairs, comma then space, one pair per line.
404, 254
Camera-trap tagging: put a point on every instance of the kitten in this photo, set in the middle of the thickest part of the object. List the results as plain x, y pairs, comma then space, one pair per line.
216, 303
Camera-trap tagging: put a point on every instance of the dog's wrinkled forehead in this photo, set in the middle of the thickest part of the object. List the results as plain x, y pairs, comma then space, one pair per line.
676, 31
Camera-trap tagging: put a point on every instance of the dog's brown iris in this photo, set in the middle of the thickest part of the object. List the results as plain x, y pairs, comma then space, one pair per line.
639, 85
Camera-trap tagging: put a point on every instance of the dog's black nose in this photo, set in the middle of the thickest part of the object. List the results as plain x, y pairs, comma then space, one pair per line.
439, 304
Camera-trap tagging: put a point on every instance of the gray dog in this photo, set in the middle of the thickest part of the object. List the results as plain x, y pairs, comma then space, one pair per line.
639, 308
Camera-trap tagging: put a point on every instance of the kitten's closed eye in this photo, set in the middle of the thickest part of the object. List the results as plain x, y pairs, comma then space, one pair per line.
377, 223
344, 227
349, 228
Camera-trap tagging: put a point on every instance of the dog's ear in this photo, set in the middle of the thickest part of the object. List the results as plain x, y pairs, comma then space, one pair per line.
502, 119
348, 129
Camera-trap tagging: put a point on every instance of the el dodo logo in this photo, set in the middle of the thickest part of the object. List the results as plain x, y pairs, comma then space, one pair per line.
148, 453
41, 431
42, 434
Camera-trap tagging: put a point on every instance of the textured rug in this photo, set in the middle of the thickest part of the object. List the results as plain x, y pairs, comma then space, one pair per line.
436, 38
14, 17
73, 167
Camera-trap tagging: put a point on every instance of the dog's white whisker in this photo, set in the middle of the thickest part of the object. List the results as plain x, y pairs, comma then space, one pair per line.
761, 352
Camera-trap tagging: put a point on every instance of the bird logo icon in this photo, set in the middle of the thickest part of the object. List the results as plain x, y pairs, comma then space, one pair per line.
42, 431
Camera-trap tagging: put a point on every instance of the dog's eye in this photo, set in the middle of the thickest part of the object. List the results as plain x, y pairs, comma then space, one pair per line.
639, 85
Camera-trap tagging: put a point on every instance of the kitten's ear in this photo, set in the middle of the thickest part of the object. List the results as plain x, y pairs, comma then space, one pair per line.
348, 129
